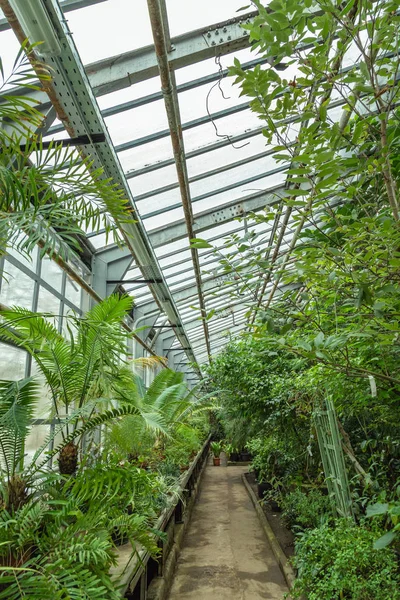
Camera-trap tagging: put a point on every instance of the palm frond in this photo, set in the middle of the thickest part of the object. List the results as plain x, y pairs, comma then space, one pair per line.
48, 190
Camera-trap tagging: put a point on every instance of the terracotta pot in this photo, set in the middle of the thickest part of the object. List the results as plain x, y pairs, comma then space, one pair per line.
216, 461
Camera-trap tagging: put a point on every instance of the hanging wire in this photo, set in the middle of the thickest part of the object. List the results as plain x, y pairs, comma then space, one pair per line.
218, 84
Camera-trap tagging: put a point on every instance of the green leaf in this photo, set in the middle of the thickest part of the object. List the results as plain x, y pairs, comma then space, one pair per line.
198, 243
385, 540
303, 344
377, 509
319, 339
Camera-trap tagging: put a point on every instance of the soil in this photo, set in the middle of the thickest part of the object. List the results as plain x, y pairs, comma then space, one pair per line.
284, 535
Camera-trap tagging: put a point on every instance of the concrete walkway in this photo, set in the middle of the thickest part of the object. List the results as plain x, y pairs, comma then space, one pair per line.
225, 554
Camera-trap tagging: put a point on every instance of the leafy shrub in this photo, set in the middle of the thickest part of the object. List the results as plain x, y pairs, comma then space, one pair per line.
305, 511
271, 460
341, 562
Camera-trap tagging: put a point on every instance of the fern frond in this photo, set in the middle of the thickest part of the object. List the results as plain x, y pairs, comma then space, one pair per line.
18, 400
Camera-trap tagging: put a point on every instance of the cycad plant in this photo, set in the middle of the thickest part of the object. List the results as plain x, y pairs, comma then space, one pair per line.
83, 372
56, 532
167, 405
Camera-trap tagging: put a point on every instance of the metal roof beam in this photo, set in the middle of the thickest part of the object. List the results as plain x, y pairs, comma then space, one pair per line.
210, 240
163, 47
217, 334
122, 71
156, 96
204, 175
191, 289
209, 219
164, 133
221, 190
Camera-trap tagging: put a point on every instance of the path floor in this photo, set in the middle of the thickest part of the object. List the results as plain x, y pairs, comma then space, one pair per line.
226, 555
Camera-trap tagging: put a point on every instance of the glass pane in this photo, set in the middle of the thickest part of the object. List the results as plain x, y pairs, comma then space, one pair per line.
44, 406
145, 154
48, 303
73, 292
27, 261
51, 273
141, 89
35, 439
110, 28
228, 126
12, 362
16, 287
144, 183
143, 120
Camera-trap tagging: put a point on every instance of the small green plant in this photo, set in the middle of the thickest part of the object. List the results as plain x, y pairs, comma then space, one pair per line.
340, 562
216, 449
229, 449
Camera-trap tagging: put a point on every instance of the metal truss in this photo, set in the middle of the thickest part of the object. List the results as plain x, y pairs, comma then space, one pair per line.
122, 71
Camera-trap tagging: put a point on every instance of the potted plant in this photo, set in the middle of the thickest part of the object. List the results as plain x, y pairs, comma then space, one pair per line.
229, 449
216, 449
232, 452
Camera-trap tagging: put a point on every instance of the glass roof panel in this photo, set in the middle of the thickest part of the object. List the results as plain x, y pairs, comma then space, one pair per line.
159, 202
144, 183
135, 123
195, 15
173, 247
135, 158
209, 98
226, 155
141, 89
252, 188
164, 218
122, 24
227, 126
220, 172
238, 173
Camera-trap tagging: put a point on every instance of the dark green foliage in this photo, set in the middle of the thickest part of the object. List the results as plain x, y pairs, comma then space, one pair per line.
340, 562
305, 510
58, 530
273, 460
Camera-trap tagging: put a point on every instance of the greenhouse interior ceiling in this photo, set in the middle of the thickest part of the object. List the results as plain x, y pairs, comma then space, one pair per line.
146, 86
